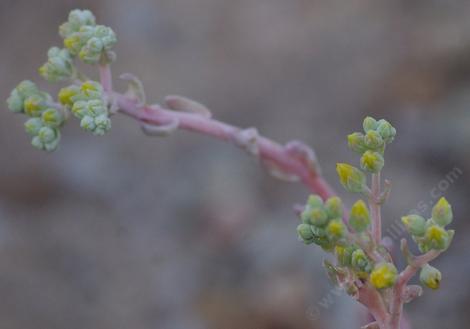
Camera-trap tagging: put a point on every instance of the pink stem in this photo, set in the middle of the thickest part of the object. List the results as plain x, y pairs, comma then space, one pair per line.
268, 149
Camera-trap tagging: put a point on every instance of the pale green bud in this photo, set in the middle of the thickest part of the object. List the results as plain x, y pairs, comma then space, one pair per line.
372, 162
314, 201
305, 233
46, 134
77, 19
91, 51
88, 123
415, 224
373, 140
34, 105
52, 118
369, 124
430, 276
360, 261
384, 275
386, 131
318, 217
442, 212
356, 142
59, 66
15, 102
334, 207
67, 94
80, 108
32, 126
351, 178
47, 139
89, 90
335, 230
436, 238
103, 124
359, 219
27, 88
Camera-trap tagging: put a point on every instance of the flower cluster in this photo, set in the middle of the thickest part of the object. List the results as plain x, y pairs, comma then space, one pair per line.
45, 119
371, 144
59, 65
87, 104
322, 222
92, 43
431, 234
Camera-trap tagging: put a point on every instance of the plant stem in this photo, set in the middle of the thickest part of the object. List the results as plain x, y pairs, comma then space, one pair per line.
375, 208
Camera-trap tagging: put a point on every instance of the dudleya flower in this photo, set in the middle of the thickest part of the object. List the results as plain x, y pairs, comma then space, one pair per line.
77, 18
59, 65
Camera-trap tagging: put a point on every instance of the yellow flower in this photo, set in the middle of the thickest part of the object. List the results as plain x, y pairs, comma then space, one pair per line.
384, 275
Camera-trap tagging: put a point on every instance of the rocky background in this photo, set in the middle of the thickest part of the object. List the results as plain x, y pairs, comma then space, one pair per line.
126, 231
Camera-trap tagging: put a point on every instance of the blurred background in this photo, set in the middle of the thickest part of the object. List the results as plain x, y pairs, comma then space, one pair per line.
127, 231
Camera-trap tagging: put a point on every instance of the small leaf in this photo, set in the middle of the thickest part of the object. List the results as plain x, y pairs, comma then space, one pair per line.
183, 104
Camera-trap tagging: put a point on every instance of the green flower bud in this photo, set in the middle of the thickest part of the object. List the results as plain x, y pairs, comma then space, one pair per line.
386, 131
88, 123
34, 105
430, 276
352, 179
384, 275
356, 142
442, 213
335, 230
334, 207
415, 224
47, 139
372, 162
103, 125
305, 233
77, 19
314, 201
66, 95
436, 238
32, 126
318, 217
80, 109
369, 124
359, 219
18, 95
89, 90
360, 261
15, 102
373, 140
52, 118
59, 66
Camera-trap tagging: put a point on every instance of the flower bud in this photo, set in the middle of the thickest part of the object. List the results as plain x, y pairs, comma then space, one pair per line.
314, 201
47, 139
59, 65
335, 230
91, 90
384, 275
369, 124
430, 276
334, 207
386, 131
442, 213
356, 142
66, 95
18, 95
415, 224
352, 179
359, 219
103, 124
373, 140
436, 238
32, 126
52, 118
88, 123
15, 102
318, 217
305, 233
77, 18
372, 162
34, 105
360, 261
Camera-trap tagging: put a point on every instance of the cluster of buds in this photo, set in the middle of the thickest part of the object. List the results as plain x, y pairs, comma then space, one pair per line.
371, 144
87, 104
322, 223
92, 43
431, 234
45, 118
85, 99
